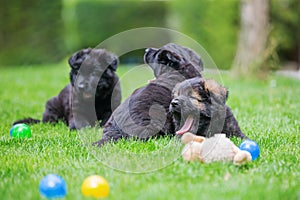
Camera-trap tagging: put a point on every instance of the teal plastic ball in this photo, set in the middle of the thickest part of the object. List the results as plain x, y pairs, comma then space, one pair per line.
20, 131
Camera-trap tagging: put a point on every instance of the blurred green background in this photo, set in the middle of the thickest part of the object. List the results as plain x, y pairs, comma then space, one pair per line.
43, 31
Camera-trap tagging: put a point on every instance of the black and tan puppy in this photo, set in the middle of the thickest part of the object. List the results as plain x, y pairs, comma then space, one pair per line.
198, 106
145, 113
93, 93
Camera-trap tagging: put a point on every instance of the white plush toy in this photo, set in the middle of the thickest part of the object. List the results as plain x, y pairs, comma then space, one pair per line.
216, 148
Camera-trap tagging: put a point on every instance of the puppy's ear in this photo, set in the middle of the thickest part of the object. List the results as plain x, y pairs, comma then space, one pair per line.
169, 58
216, 91
114, 64
78, 57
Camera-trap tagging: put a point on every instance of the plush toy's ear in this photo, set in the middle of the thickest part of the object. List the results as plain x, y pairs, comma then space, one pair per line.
169, 58
215, 90
78, 57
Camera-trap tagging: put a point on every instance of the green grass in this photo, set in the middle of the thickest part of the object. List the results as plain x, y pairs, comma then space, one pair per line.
267, 112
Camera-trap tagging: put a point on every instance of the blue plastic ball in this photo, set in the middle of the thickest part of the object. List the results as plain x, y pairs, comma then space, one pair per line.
53, 186
252, 147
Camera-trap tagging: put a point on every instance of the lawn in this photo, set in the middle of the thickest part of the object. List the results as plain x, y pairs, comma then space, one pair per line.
268, 112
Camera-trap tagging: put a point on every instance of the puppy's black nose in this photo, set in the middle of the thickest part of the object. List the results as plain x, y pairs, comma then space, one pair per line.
174, 102
81, 86
149, 50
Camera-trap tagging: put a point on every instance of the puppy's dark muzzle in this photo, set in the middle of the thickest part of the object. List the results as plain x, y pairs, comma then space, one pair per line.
82, 86
175, 106
175, 103
149, 53
150, 50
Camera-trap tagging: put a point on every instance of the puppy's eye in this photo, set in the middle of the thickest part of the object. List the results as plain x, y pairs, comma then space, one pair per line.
172, 64
163, 61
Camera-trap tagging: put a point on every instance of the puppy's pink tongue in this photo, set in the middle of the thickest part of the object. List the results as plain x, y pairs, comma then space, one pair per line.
186, 126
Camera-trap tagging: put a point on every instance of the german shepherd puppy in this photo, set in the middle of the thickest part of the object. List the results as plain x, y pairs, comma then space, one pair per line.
199, 106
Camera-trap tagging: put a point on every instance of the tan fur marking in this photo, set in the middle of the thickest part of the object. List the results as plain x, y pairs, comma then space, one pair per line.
176, 94
195, 99
215, 88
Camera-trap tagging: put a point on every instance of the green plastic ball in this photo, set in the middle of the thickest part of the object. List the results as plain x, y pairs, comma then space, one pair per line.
20, 131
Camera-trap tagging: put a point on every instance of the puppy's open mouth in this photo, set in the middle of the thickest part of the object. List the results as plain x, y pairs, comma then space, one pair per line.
186, 126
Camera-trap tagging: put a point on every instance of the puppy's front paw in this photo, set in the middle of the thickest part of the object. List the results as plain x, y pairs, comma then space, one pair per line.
72, 126
99, 143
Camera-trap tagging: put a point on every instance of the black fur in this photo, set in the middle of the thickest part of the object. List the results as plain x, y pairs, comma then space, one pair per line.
145, 113
93, 93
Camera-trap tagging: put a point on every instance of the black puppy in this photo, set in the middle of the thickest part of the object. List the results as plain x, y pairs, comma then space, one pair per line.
198, 106
92, 95
145, 113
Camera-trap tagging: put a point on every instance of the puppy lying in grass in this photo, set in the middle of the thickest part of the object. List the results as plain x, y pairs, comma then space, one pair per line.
199, 106
93, 93
145, 113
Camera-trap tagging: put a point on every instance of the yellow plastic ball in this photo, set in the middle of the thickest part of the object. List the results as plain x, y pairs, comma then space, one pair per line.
95, 186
